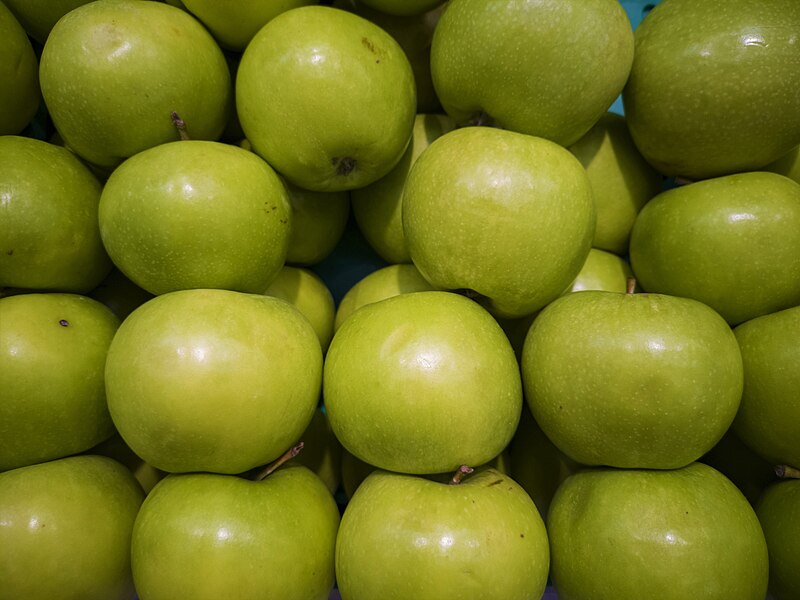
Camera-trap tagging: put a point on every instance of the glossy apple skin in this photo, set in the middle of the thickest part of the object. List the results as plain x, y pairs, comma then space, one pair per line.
422, 383
403, 536
49, 239
778, 512
732, 243
66, 530
403, 7
632, 380
196, 214
317, 224
507, 215
377, 207
287, 76
549, 69
112, 73
769, 416
19, 72
634, 534
52, 357
39, 16
213, 380
207, 536
602, 271
713, 88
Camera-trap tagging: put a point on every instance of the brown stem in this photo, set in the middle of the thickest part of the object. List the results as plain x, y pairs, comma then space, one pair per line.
630, 285
787, 472
463, 471
180, 125
286, 456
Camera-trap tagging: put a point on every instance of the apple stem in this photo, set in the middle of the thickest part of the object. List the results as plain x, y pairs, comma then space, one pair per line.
286, 456
180, 125
462, 471
787, 472
630, 285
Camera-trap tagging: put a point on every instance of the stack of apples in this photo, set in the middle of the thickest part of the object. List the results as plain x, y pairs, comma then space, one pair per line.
573, 359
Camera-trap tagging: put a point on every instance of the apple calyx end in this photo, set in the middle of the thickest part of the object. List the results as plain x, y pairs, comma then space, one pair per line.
180, 125
459, 475
283, 458
344, 165
787, 472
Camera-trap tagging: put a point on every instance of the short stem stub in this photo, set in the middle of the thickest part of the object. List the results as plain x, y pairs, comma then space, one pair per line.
180, 125
462, 472
787, 472
286, 456
630, 285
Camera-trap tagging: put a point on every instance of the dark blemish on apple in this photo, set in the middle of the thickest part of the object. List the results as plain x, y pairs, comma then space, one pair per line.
10, 252
285, 221
344, 165
369, 45
522, 535
495, 483
64, 323
378, 61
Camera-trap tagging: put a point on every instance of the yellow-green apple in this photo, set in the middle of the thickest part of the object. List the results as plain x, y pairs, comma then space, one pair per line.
322, 452
602, 271
403, 7
39, 16
778, 512
115, 447
317, 224
19, 72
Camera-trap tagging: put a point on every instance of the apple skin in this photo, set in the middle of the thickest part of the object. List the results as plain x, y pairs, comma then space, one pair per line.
115, 447
196, 214
403, 7
377, 207
633, 534
386, 282
403, 536
67, 530
49, 239
422, 383
768, 420
52, 356
622, 180
699, 72
39, 16
287, 76
778, 512
213, 380
549, 69
631, 380
506, 215
204, 536
602, 271
732, 243
788, 165
19, 72
112, 72
317, 224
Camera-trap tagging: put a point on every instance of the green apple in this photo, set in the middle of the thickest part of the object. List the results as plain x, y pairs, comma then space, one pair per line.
65, 530
234, 22
671, 535
632, 380
213, 380
49, 239
113, 72
386, 282
713, 90
602, 271
622, 180
732, 242
778, 512
505, 215
115, 447
52, 355
768, 420
403, 536
377, 207
304, 290
120, 294
422, 383
317, 224
196, 214
39, 16
326, 97
549, 69
208, 536
322, 452
19, 72
788, 165
354, 472
403, 7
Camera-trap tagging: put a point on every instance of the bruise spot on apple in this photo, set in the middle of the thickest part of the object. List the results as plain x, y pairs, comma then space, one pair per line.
369, 45
343, 165
64, 323
522, 535
10, 253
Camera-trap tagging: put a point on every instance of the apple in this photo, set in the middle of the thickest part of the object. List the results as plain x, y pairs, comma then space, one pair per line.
120, 294
304, 290
507, 216
65, 530
39, 16
19, 72
602, 271
115, 447
403, 536
354, 472
213, 380
403, 7
778, 512
234, 22
768, 420
788, 165
713, 92
622, 180
386, 282
422, 383
204, 536
377, 207
671, 535
113, 72
326, 97
317, 224
549, 69
322, 452
52, 355
196, 214
49, 239
632, 380
731, 242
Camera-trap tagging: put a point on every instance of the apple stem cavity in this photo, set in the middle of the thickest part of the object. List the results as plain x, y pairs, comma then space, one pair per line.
630, 285
481, 119
180, 125
459, 475
344, 166
787, 472
285, 457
